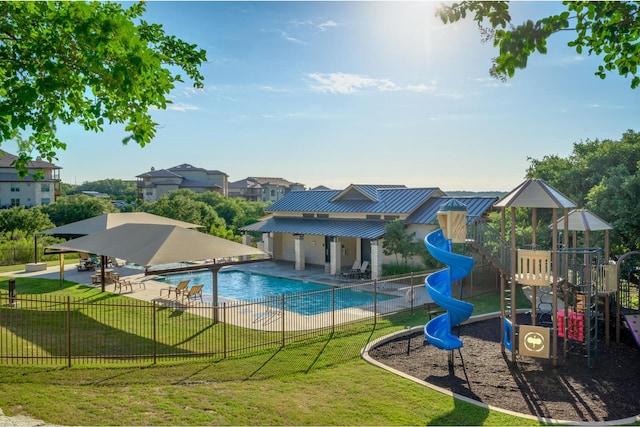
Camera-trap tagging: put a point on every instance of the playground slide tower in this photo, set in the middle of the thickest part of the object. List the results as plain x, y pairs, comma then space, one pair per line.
438, 330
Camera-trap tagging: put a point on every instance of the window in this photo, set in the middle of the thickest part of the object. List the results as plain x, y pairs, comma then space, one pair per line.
15, 202
149, 192
45, 201
373, 216
45, 187
322, 216
15, 187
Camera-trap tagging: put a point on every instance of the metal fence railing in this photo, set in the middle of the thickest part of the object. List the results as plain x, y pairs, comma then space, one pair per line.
48, 329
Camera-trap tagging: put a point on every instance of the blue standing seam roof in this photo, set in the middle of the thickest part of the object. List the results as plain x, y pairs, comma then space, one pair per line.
364, 229
399, 201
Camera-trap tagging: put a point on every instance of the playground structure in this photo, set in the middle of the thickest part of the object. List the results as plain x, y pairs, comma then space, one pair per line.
438, 331
571, 287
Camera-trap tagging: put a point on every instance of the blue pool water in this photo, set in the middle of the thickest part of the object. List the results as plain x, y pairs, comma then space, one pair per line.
240, 285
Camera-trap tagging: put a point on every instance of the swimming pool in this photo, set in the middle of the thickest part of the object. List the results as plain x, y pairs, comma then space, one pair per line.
244, 286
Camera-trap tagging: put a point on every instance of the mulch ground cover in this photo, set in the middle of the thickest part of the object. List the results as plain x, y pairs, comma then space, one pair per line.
569, 391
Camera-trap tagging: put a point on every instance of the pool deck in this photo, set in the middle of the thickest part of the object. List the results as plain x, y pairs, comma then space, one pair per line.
255, 315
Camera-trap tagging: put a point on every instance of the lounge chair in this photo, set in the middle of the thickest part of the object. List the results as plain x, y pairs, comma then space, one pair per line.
116, 262
363, 271
354, 270
193, 293
178, 290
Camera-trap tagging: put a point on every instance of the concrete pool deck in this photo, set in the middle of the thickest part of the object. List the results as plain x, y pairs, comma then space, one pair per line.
256, 316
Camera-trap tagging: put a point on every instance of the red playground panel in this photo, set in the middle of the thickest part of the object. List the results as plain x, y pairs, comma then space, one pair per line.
575, 326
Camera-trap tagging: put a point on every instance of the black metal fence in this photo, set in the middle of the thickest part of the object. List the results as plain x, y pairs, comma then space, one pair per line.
45, 329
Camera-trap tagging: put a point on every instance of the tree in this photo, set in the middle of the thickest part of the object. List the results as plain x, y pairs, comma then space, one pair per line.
76, 208
29, 221
86, 63
608, 28
184, 206
116, 188
604, 177
398, 242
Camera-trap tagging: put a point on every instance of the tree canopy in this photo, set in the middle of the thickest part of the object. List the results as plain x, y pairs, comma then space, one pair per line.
87, 63
610, 29
604, 177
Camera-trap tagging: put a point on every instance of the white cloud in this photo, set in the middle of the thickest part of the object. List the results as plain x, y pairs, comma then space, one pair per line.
327, 24
345, 83
182, 107
291, 39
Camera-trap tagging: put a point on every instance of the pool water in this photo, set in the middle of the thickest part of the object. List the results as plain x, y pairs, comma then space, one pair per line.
240, 285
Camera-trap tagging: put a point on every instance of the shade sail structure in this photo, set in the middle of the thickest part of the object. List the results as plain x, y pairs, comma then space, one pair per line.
155, 244
584, 220
111, 220
535, 193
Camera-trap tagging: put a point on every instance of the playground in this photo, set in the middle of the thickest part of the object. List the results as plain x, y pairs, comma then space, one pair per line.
557, 360
530, 386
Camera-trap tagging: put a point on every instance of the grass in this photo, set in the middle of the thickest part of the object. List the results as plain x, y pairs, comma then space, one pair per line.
311, 383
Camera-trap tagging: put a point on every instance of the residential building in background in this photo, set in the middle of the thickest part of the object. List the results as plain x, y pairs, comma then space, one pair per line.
27, 192
155, 183
263, 189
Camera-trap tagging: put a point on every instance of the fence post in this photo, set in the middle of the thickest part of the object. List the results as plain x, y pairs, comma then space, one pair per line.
282, 311
224, 330
155, 332
375, 302
68, 331
333, 310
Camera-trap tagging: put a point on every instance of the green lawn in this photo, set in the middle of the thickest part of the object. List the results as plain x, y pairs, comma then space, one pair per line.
322, 382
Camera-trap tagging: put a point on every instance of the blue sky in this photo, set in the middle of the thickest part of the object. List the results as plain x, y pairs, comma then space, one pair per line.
334, 93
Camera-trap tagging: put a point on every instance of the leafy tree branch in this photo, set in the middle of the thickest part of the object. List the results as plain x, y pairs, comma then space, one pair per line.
610, 29
86, 63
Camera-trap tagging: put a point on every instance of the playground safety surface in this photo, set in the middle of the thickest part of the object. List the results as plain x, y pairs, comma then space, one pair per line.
569, 391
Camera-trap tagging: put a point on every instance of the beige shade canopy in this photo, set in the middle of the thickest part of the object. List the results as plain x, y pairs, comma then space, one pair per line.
110, 220
155, 244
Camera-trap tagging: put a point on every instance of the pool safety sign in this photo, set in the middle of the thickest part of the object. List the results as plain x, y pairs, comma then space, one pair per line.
534, 341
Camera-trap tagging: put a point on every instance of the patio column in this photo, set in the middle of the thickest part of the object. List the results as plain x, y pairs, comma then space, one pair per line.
246, 240
376, 259
299, 251
336, 256
267, 239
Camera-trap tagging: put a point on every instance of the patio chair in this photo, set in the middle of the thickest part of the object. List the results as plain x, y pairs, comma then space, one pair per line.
363, 271
193, 293
351, 273
178, 290
121, 283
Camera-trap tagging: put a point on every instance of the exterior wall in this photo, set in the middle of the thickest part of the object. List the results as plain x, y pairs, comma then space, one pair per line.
221, 180
284, 247
314, 249
193, 174
350, 247
161, 190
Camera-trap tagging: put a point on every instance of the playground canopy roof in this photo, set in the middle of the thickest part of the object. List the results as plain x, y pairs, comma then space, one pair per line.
584, 220
110, 220
535, 193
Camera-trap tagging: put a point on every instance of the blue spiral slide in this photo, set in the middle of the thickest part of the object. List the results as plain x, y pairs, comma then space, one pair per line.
438, 284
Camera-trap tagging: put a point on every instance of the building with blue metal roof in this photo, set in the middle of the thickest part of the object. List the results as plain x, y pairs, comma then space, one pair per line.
335, 228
